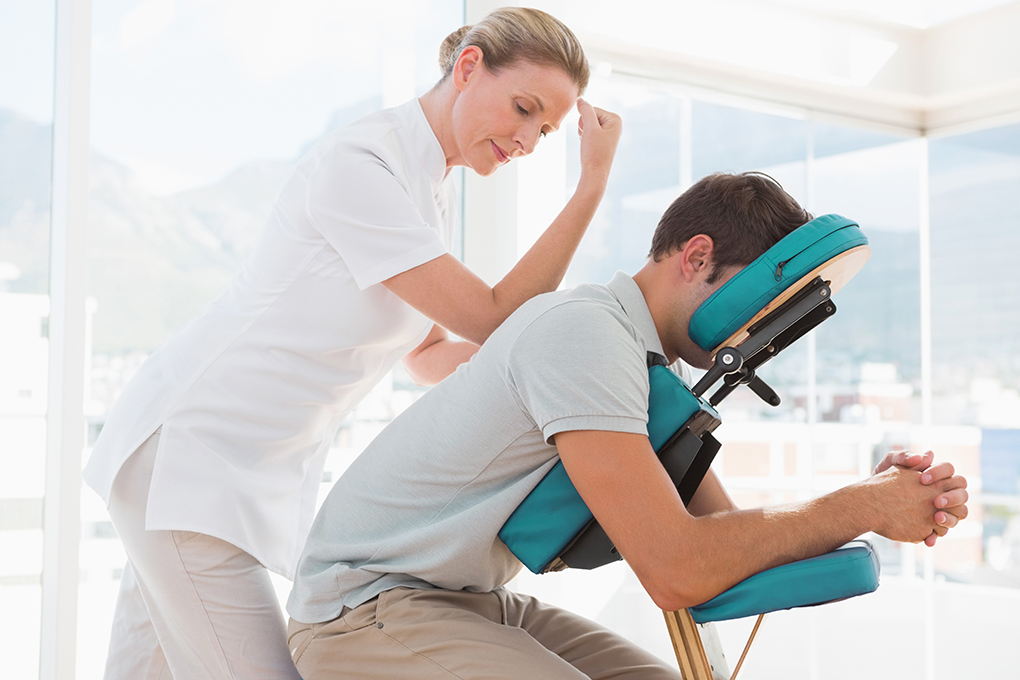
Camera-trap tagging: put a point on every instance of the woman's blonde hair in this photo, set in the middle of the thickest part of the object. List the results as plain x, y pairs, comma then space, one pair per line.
512, 34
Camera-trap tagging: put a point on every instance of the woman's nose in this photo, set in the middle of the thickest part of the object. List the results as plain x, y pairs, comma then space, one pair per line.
527, 139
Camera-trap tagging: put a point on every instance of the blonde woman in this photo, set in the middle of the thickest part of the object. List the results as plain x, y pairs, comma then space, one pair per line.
211, 460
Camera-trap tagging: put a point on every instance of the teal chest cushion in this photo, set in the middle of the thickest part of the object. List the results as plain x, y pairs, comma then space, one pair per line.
768, 277
554, 513
845, 572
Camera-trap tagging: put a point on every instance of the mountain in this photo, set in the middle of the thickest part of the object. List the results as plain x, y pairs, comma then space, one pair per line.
177, 252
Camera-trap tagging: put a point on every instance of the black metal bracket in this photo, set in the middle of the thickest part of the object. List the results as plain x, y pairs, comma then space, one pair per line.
766, 339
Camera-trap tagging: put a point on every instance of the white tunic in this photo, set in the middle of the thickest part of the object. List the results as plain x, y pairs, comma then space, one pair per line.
250, 393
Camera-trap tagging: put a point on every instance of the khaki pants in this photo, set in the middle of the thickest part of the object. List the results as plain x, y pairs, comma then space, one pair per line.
433, 634
191, 607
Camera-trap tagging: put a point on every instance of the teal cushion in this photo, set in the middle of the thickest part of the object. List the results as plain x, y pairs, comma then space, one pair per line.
553, 513
759, 283
845, 572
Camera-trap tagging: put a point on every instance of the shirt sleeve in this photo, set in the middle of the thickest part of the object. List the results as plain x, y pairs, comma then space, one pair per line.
365, 209
579, 367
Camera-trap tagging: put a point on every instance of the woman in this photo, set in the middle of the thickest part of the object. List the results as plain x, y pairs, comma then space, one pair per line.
211, 460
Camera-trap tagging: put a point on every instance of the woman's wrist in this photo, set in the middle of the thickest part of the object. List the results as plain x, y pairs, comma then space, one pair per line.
592, 185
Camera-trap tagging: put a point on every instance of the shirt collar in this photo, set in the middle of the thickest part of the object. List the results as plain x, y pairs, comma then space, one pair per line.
423, 140
634, 306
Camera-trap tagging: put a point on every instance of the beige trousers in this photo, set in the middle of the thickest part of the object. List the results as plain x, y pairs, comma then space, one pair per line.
191, 607
442, 634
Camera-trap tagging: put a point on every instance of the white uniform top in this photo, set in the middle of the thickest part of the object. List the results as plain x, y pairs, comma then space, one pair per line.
250, 393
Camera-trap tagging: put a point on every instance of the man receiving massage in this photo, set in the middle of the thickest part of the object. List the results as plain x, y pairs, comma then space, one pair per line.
403, 573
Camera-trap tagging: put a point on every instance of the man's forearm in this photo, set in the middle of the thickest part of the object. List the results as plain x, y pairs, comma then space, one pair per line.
736, 544
710, 497
683, 560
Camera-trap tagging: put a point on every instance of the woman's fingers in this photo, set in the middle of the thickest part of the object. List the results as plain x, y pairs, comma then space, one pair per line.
600, 134
595, 118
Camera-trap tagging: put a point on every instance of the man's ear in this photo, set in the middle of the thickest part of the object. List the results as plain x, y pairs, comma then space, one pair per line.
469, 61
696, 257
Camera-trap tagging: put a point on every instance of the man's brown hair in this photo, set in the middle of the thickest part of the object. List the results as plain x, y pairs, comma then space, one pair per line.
744, 214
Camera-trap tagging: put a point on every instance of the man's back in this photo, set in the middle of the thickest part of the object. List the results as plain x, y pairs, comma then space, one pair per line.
422, 505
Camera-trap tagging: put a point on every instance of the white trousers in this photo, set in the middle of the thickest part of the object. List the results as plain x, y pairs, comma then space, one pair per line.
191, 607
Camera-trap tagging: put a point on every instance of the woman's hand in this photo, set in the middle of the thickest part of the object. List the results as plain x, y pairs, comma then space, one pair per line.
600, 133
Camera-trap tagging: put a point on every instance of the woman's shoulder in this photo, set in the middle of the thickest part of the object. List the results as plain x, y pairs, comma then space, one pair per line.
379, 136
379, 128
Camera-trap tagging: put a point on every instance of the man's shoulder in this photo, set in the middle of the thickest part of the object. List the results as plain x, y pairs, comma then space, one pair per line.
589, 303
588, 319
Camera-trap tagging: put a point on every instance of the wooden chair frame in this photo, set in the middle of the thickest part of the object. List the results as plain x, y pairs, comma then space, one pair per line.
698, 650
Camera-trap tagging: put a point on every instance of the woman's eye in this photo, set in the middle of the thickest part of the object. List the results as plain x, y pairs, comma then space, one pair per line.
522, 109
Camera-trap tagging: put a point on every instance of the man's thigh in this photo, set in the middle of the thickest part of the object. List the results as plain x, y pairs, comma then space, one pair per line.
434, 634
599, 653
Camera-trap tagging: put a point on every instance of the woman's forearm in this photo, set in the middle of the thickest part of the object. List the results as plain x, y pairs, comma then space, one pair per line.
542, 268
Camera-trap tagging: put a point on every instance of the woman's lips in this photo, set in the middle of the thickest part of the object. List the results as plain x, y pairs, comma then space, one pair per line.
501, 155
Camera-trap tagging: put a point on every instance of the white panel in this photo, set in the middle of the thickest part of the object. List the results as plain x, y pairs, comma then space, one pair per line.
68, 282
490, 222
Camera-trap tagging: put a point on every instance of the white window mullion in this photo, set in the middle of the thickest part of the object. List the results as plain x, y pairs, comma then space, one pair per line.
65, 426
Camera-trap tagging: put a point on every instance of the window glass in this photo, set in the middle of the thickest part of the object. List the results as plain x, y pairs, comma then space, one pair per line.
199, 111
26, 134
869, 352
729, 139
645, 179
975, 215
975, 221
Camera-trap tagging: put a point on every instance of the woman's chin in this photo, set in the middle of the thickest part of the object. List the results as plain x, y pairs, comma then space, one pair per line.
487, 169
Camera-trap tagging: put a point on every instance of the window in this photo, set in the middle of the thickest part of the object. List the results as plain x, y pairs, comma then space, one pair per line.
26, 136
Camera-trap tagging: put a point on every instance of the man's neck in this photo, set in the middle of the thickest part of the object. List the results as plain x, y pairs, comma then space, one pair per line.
655, 291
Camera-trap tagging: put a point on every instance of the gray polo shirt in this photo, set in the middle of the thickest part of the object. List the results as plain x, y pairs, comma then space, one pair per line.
422, 505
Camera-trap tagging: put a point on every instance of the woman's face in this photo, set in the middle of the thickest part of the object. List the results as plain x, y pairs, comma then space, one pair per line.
499, 116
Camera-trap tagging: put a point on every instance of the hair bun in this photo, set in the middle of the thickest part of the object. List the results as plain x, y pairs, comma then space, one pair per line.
450, 49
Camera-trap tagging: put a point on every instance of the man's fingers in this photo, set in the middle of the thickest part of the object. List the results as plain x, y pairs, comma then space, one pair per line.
945, 521
905, 459
953, 499
938, 473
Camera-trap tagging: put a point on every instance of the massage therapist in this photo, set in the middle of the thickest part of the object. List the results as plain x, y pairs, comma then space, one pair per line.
211, 460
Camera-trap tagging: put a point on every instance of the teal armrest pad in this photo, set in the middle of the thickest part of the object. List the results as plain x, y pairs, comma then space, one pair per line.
553, 513
797, 254
845, 572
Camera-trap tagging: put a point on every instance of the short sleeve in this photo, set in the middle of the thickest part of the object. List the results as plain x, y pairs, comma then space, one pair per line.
579, 367
365, 209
